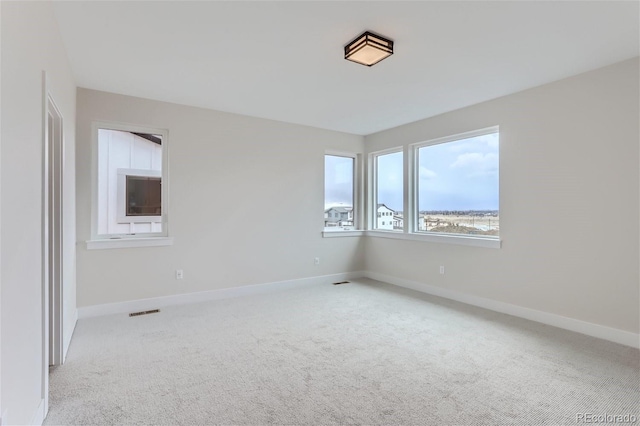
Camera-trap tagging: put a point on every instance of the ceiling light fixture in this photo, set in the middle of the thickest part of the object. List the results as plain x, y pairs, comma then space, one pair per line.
368, 49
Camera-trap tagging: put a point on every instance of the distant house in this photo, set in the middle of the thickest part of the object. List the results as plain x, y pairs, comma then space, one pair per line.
338, 217
422, 222
385, 217
398, 221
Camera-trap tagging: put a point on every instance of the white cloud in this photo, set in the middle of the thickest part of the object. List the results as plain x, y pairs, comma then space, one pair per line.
491, 140
426, 173
477, 164
488, 142
460, 146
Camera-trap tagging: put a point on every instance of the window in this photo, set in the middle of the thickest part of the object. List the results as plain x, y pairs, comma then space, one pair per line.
456, 181
139, 197
144, 196
130, 191
339, 200
388, 192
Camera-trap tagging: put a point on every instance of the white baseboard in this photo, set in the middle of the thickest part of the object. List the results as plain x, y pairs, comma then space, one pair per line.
595, 330
203, 296
39, 415
68, 334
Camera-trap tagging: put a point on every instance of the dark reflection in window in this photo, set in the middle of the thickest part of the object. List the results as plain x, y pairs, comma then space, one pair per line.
144, 196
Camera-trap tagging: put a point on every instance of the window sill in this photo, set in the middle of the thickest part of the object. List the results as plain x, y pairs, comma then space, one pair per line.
113, 243
342, 233
439, 238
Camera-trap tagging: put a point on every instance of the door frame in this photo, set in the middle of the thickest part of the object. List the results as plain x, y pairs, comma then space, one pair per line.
52, 249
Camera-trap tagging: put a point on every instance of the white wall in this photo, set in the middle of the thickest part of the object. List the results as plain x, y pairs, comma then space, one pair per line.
1, 406
30, 44
569, 189
258, 184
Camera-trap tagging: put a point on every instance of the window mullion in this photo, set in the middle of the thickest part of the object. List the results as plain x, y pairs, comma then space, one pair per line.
408, 191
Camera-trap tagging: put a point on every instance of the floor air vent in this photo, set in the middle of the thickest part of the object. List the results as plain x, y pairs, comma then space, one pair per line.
135, 314
341, 282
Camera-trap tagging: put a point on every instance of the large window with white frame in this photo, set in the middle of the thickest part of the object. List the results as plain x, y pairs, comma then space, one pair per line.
456, 181
388, 191
339, 192
130, 182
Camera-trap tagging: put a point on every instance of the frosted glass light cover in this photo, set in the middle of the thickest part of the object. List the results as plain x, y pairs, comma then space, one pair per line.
368, 49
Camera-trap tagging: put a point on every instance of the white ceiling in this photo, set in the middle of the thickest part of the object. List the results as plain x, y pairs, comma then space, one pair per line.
284, 60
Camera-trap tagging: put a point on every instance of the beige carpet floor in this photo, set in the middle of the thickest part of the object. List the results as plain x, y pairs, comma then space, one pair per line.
359, 353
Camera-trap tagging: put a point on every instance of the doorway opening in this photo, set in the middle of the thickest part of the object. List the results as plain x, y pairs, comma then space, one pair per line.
54, 158
52, 245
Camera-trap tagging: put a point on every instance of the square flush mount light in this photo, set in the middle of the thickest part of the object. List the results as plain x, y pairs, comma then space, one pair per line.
368, 49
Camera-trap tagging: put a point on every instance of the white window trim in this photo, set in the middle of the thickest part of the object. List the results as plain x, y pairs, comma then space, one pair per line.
412, 221
358, 197
119, 242
372, 192
463, 240
457, 137
410, 214
343, 233
128, 240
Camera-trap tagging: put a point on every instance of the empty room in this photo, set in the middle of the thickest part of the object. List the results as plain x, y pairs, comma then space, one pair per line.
319, 212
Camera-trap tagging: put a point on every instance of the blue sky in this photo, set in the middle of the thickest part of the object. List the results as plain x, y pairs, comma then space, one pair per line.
390, 180
460, 175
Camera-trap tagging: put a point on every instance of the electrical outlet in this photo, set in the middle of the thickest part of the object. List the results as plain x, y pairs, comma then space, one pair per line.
179, 274
442, 270
316, 261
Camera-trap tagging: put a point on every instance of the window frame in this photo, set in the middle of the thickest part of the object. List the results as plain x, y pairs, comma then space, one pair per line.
145, 239
414, 168
411, 214
122, 216
373, 189
357, 196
